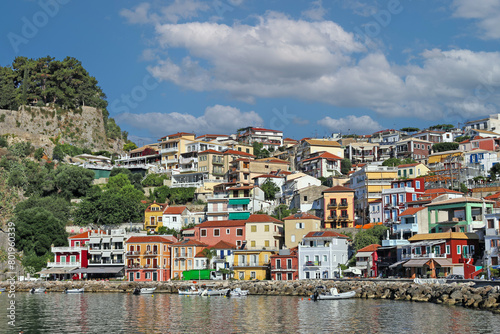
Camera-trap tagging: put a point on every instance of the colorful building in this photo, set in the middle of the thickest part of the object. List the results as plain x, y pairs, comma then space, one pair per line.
148, 258
153, 216
285, 264
297, 226
339, 207
212, 232
184, 254
410, 171
395, 200
263, 232
252, 264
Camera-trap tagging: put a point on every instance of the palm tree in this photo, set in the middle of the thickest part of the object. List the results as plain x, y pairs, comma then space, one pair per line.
209, 253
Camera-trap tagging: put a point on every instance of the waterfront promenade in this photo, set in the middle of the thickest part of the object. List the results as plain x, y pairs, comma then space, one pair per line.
464, 293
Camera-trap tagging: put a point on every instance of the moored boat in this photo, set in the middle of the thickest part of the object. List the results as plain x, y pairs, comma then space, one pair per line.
37, 290
332, 295
190, 292
74, 290
144, 291
214, 292
237, 292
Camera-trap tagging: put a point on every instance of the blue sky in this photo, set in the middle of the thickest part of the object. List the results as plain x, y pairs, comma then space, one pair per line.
308, 68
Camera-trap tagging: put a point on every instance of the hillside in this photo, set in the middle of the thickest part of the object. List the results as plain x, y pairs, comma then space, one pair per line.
83, 127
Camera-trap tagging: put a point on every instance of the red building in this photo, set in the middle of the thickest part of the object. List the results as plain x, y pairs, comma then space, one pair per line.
284, 266
213, 231
395, 200
440, 254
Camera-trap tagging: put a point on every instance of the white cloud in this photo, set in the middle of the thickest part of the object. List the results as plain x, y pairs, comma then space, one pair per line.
174, 12
137, 16
352, 124
361, 8
486, 12
316, 12
216, 119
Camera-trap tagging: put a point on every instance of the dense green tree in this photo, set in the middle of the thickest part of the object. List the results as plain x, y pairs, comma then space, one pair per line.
134, 178
39, 153
59, 207
160, 194
8, 94
3, 141
37, 229
154, 180
494, 172
410, 129
259, 151
270, 189
392, 162
21, 149
461, 139
370, 236
443, 127
345, 166
282, 211
129, 146
73, 181
443, 147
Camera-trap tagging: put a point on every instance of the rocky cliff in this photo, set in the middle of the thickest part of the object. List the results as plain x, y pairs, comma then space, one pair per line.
83, 127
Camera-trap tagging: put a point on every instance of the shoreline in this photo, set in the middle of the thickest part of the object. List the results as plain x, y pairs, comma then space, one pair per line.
458, 294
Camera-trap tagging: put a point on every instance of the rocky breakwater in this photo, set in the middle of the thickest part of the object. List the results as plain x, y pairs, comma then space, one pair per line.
459, 294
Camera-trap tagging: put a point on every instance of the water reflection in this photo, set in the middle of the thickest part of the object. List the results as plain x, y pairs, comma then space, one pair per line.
164, 313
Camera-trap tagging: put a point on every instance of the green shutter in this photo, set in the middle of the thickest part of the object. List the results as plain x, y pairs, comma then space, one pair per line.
239, 215
239, 201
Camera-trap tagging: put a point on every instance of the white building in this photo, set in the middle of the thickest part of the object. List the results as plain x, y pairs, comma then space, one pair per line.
376, 211
321, 254
298, 181
173, 217
491, 123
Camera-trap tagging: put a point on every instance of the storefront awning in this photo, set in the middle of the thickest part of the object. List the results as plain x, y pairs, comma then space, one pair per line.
394, 265
56, 270
94, 240
364, 254
98, 270
416, 263
106, 254
444, 262
239, 201
353, 270
106, 239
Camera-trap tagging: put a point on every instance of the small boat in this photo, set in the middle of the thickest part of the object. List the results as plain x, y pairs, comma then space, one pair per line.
237, 292
190, 292
144, 291
2, 290
333, 294
74, 290
217, 292
37, 290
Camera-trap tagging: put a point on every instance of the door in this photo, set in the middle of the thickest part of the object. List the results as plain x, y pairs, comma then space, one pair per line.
155, 276
131, 277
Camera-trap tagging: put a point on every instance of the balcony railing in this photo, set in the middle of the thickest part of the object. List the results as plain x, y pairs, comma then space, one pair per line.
284, 267
133, 253
252, 264
312, 263
67, 249
150, 253
63, 264
169, 150
331, 206
418, 256
343, 204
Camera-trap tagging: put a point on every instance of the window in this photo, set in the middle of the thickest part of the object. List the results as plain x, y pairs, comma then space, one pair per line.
203, 233
239, 232
174, 219
190, 263
266, 243
266, 228
325, 258
414, 197
459, 249
292, 238
252, 243
253, 228
238, 243
299, 225
471, 249
307, 274
253, 275
305, 198
417, 184
147, 275
411, 171
216, 232
137, 275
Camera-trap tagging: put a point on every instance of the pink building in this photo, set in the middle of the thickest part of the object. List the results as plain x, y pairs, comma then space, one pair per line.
230, 231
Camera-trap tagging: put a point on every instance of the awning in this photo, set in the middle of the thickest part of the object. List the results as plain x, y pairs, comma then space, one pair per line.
106, 254
56, 270
98, 270
353, 270
364, 254
239, 201
416, 263
106, 239
444, 262
94, 240
394, 265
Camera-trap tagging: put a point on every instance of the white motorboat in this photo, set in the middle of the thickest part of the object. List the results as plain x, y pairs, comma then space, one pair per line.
190, 292
237, 292
38, 290
333, 294
74, 290
216, 292
144, 291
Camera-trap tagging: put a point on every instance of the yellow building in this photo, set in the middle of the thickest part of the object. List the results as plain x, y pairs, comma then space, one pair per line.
263, 232
153, 216
252, 264
172, 146
411, 171
243, 170
338, 202
297, 226
314, 145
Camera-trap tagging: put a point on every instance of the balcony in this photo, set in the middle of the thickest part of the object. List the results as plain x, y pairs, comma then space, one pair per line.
284, 268
64, 264
312, 264
329, 218
217, 162
185, 161
331, 206
169, 150
251, 264
171, 161
425, 256
343, 205
188, 169
150, 253
133, 253
67, 249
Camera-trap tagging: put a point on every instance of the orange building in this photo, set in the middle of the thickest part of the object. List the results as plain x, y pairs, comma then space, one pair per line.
338, 203
148, 258
154, 216
183, 256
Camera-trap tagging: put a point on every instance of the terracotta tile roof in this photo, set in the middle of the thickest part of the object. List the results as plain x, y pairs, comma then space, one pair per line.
494, 196
174, 210
85, 235
409, 165
241, 188
461, 200
222, 223
275, 161
325, 234
441, 191
190, 242
211, 151
200, 254
149, 238
162, 206
318, 142
444, 235
338, 189
210, 136
268, 175
411, 211
325, 155
223, 245
263, 129
369, 248
303, 215
239, 153
262, 218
